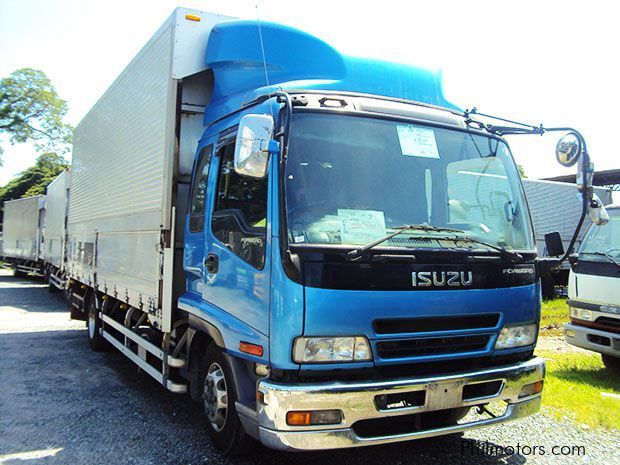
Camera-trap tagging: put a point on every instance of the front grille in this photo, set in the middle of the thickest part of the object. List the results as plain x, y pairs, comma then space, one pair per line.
431, 346
440, 323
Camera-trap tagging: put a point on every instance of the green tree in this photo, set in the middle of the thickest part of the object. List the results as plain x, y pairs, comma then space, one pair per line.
32, 111
521, 171
34, 180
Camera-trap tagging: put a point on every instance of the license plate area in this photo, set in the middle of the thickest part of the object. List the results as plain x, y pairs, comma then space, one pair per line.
400, 400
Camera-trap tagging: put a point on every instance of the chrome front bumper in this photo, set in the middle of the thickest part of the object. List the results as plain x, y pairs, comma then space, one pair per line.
603, 342
357, 402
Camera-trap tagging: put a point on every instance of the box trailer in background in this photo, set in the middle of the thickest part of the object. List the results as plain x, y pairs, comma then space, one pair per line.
556, 206
22, 245
55, 230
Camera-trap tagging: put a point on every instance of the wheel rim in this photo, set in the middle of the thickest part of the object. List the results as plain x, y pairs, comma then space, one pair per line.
216, 397
91, 324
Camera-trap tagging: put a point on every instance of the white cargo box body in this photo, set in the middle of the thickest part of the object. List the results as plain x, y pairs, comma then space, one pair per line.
129, 171
556, 206
22, 223
56, 208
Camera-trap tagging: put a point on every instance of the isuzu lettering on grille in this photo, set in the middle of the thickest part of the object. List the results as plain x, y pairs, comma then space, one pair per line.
441, 278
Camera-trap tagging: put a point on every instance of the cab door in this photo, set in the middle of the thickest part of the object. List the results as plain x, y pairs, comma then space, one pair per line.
236, 268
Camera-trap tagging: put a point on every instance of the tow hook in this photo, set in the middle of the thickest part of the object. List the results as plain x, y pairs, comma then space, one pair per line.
482, 409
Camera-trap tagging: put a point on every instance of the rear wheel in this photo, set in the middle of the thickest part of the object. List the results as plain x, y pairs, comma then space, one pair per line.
95, 340
613, 363
219, 397
18, 273
50, 284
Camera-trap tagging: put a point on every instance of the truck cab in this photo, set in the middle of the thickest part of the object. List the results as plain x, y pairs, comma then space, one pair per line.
361, 256
594, 302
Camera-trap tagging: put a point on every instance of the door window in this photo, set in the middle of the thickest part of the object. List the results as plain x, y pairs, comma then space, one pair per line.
239, 218
199, 191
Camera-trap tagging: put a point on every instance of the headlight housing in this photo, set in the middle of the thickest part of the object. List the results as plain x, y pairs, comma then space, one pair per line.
580, 313
516, 336
331, 349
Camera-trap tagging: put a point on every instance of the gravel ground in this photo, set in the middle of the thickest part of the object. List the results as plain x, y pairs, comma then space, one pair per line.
62, 403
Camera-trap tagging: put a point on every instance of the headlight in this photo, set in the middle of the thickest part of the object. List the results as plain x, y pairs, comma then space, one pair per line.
516, 336
580, 313
331, 349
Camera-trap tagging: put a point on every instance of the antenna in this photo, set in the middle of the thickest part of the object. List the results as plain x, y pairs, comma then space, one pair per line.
262, 49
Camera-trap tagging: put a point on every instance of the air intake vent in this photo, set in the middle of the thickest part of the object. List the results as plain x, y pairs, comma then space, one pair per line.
444, 323
431, 346
412, 241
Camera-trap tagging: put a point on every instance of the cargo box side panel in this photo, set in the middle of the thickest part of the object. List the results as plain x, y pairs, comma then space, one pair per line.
21, 234
122, 176
55, 219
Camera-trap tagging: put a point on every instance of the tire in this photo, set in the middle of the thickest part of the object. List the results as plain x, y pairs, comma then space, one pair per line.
19, 274
50, 287
96, 341
218, 400
611, 363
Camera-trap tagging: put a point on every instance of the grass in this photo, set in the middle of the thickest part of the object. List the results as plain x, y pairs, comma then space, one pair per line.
554, 314
573, 387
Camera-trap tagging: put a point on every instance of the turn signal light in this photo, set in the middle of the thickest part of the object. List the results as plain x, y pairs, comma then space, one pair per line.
313, 417
298, 418
531, 389
252, 349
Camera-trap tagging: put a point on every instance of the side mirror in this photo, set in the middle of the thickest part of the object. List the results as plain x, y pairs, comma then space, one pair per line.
553, 242
568, 150
253, 145
597, 212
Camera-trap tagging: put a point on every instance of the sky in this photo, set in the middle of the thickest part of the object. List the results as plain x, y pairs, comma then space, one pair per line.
538, 62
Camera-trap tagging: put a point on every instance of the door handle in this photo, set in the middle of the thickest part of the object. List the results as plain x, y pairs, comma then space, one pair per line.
211, 263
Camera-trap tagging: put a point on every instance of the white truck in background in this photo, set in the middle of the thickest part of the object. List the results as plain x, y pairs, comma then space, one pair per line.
55, 231
593, 292
22, 245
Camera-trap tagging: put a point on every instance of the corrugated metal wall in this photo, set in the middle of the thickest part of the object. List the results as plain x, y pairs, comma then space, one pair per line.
557, 207
120, 156
55, 216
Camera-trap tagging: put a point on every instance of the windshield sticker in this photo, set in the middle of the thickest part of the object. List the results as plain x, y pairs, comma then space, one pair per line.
417, 141
361, 226
299, 239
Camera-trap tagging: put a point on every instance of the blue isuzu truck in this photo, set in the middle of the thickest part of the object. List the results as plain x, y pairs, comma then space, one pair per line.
321, 250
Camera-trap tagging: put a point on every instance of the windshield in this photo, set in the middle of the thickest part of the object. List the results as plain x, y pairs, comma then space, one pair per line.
602, 243
350, 179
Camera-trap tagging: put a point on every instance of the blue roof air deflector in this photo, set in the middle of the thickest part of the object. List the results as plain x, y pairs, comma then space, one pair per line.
297, 60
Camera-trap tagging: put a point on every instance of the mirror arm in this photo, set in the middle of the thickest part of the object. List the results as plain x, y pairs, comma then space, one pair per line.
284, 123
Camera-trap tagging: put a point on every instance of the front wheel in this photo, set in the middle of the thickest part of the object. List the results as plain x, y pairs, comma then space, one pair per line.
613, 363
219, 397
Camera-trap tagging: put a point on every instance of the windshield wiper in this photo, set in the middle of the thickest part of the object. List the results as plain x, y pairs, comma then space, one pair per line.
515, 256
605, 254
356, 253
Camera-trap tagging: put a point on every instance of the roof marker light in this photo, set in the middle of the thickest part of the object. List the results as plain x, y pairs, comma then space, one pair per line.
192, 17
